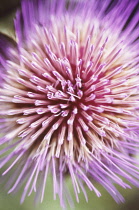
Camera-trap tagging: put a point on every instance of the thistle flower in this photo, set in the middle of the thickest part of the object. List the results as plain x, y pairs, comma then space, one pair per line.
69, 97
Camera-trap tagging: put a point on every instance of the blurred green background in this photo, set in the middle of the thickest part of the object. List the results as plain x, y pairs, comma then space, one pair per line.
105, 202
12, 202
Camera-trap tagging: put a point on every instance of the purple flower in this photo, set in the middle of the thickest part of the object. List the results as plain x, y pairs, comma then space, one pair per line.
69, 97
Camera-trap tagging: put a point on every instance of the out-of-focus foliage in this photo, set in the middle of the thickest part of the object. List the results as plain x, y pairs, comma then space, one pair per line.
7, 6
7, 12
11, 202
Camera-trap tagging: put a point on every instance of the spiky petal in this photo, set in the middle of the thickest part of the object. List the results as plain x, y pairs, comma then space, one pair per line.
69, 97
